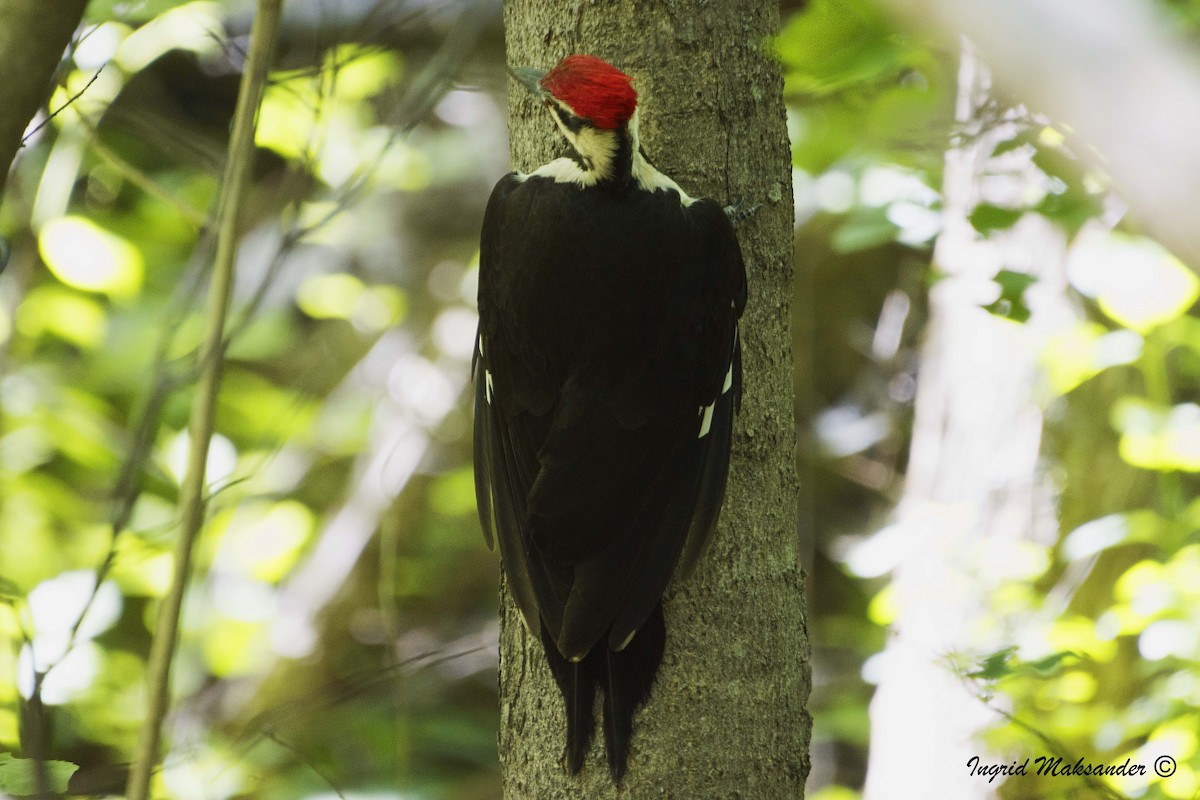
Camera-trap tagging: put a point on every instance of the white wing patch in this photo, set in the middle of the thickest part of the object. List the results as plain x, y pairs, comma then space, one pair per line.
707, 411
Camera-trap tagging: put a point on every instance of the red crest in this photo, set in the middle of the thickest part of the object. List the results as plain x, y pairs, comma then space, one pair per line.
594, 89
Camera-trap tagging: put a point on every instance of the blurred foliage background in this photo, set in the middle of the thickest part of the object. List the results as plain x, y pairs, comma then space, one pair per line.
340, 636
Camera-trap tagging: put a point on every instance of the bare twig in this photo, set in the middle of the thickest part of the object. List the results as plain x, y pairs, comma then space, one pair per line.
233, 187
140, 179
61, 108
306, 761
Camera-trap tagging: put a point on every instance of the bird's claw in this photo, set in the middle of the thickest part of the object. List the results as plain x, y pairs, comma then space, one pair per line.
740, 211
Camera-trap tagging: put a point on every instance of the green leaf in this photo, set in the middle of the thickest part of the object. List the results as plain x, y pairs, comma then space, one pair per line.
1051, 663
1014, 284
987, 217
995, 666
864, 87
18, 776
1011, 303
835, 44
1071, 209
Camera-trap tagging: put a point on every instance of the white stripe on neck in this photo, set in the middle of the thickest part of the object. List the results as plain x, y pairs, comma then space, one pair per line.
597, 149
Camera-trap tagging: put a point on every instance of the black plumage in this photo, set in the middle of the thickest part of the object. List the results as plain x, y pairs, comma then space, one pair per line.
607, 372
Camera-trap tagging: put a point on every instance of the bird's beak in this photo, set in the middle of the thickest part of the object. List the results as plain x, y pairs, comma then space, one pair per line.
530, 78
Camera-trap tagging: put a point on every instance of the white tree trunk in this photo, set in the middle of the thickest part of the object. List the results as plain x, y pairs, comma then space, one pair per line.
975, 491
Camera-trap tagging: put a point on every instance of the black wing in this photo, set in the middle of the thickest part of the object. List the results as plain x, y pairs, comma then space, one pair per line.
607, 371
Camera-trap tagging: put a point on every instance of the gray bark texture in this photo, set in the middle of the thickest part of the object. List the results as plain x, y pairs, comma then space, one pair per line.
32, 41
728, 717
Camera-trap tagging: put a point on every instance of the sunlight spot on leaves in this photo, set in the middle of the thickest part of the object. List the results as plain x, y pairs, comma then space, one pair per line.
362, 73
1144, 588
187, 27
235, 647
1135, 281
141, 569
219, 464
332, 296
55, 605
1083, 351
9, 737
378, 308
1078, 634
60, 312
87, 93
1076, 686
205, 772
100, 45
264, 541
1168, 637
1156, 437
882, 609
84, 256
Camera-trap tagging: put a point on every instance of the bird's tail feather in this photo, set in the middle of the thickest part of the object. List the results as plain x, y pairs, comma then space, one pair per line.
626, 679
577, 681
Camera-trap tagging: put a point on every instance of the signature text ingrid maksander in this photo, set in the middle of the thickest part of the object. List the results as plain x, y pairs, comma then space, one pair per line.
1054, 765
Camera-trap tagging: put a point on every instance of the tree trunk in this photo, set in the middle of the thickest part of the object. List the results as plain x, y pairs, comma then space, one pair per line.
727, 718
32, 41
975, 490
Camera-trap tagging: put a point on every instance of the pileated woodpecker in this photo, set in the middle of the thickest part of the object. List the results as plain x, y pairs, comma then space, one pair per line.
608, 367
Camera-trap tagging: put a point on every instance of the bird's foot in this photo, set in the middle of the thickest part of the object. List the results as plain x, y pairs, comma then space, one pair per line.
741, 210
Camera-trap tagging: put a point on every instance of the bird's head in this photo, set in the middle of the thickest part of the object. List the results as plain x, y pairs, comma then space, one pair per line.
594, 105
583, 91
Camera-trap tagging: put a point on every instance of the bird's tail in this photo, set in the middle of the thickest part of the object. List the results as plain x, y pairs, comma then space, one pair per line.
624, 679
577, 682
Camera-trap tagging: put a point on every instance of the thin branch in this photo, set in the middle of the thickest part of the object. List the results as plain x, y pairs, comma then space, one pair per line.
61, 108
233, 189
1053, 745
304, 760
141, 179
1060, 750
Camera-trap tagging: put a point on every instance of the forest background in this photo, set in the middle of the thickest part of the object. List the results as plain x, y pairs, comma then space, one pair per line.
339, 636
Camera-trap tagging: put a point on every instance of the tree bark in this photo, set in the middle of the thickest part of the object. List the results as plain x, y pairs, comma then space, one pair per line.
727, 718
32, 41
